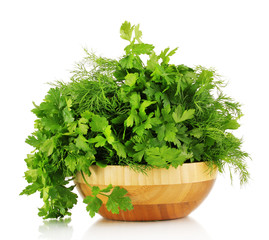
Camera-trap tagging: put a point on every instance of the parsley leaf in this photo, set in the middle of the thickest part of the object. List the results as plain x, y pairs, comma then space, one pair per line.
93, 204
117, 200
180, 116
67, 115
98, 124
71, 162
81, 143
99, 140
120, 149
162, 156
48, 146
82, 126
131, 79
126, 31
139, 49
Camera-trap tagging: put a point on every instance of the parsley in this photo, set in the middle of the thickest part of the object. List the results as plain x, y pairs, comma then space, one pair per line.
144, 114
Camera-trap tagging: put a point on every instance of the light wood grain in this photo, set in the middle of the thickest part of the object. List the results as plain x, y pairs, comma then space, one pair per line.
161, 194
125, 176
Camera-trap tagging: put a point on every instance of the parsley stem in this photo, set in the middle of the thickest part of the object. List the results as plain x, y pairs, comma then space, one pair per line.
85, 179
83, 176
103, 194
123, 136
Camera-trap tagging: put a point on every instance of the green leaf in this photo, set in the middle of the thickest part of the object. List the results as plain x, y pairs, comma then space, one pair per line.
160, 132
82, 126
72, 128
36, 141
31, 140
149, 121
117, 199
48, 146
81, 143
46, 193
62, 199
133, 118
109, 135
126, 31
101, 164
165, 55
154, 157
139, 156
51, 124
30, 189
166, 110
138, 33
172, 52
180, 158
94, 204
232, 124
107, 189
196, 132
71, 162
135, 100
31, 161
99, 140
67, 115
127, 62
52, 102
129, 122
95, 190
83, 164
31, 175
143, 107
87, 115
140, 152
164, 155
187, 114
152, 63
166, 132
98, 124
130, 79
139, 147
198, 150
69, 103
139, 130
178, 116
120, 149
141, 48
155, 121
112, 206
170, 132
119, 119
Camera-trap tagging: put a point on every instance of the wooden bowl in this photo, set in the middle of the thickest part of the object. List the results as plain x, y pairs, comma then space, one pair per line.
160, 195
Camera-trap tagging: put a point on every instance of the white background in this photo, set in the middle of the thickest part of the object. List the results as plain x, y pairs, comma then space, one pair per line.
41, 40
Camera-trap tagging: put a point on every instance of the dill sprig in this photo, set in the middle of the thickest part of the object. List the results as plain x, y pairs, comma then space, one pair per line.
94, 88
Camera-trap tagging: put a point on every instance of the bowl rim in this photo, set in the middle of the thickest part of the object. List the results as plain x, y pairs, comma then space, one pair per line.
126, 176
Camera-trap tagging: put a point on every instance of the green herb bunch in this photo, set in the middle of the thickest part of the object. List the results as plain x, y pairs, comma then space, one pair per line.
144, 114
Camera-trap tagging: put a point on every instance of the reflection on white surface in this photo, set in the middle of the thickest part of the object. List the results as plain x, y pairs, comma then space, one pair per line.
185, 228
56, 230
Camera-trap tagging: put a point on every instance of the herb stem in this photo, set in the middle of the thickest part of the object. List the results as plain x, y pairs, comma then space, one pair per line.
85, 179
103, 194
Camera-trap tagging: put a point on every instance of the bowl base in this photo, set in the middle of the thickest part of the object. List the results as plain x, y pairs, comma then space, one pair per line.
154, 212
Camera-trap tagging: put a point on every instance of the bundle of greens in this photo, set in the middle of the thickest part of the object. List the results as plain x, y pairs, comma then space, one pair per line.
144, 114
